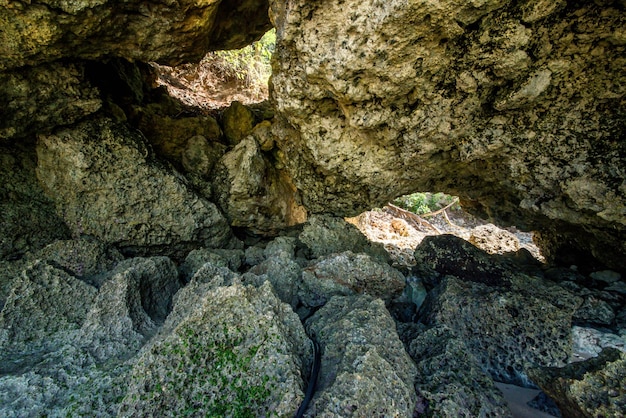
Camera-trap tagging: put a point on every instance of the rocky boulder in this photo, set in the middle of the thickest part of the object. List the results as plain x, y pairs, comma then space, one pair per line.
517, 107
106, 182
170, 32
592, 388
365, 370
240, 353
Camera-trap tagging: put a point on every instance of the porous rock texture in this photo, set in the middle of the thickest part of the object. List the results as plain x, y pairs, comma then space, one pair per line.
592, 388
509, 320
365, 370
168, 32
106, 182
517, 107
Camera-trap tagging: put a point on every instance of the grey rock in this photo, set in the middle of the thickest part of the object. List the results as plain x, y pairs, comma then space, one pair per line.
365, 370
346, 274
326, 234
254, 255
106, 182
591, 388
37, 99
283, 273
281, 247
231, 259
43, 301
589, 342
606, 276
130, 306
507, 328
239, 353
29, 220
450, 378
594, 311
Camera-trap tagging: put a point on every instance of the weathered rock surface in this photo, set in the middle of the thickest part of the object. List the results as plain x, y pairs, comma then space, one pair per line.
509, 320
29, 220
255, 194
34, 100
106, 182
168, 32
517, 107
346, 274
592, 388
365, 370
494, 240
326, 234
450, 380
240, 353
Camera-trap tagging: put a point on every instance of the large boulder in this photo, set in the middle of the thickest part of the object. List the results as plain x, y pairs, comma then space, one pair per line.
365, 370
239, 353
168, 32
517, 107
106, 182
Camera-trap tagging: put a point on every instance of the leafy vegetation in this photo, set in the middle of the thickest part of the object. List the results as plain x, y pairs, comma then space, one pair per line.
421, 203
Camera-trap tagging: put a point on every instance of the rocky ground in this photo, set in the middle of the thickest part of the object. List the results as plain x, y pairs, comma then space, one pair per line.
425, 329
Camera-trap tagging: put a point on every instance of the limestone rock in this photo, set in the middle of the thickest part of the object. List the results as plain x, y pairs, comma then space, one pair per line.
365, 370
253, 193
589, 342
508, 328
481, 100
29, 221
450, 379
129, 307
283, 273
43, 301
591, 388
240, 353
93, 29
594, 311
238, 122
494, 240
106, 182
41, 98
231, 259
326, 234
346, 274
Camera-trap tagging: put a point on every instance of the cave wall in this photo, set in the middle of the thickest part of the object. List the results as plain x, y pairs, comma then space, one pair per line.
517, 107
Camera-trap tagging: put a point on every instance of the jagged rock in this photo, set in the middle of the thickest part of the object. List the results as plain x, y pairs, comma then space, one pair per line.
589, 342
43, 301
231, 259
591, 388
34, 100
494, 240
450, 379
94, 29
326, 234
29, 221
253, 193
106, 182
129, 307
239, 353
365, 370
283, 247
283, 273
479, 100
442, 255
346, 274
238, 122
594, 311
85, 258
606, 276
508, 328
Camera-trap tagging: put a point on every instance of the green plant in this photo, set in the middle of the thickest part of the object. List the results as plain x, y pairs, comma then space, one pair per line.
422, 203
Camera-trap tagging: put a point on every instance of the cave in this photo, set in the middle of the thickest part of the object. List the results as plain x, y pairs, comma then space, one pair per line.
259, 209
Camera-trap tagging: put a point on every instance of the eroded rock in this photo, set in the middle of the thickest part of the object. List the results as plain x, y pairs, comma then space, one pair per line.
515, 107
106, 182
228, 357
365, 370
